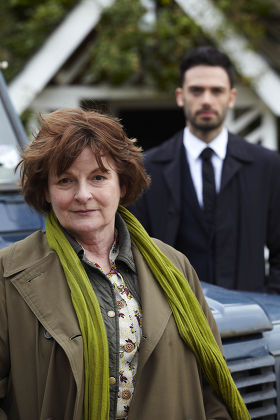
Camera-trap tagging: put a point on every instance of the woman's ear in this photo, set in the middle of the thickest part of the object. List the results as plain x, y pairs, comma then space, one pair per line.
123, 191
47, 196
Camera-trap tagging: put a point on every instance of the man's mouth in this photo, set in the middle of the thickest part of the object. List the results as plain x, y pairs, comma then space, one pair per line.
207, 113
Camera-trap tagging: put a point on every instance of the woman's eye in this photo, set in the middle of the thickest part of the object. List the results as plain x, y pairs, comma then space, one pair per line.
64, 181
98, 177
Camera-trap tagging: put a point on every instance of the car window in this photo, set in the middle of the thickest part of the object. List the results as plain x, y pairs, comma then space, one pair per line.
9, 149
12, 138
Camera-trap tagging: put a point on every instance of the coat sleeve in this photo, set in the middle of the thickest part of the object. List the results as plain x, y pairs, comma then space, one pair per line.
273, 229
4, 348
215, 409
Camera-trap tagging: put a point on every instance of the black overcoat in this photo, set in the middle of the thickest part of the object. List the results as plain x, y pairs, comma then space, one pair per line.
247, 217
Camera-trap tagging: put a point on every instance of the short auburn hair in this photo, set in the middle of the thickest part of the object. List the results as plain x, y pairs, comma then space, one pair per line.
63, 136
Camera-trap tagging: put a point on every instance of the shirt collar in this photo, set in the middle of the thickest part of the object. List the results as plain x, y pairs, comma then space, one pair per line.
194, 146
123, 251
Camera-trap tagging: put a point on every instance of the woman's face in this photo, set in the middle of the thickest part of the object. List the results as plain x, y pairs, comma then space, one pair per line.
85, 199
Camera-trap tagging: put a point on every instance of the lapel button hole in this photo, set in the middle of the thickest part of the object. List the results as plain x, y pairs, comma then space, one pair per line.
75, 336
33, 278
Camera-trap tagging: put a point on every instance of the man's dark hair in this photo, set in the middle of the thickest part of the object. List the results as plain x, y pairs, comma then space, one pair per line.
208, 56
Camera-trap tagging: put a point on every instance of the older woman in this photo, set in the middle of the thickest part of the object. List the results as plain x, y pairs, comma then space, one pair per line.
97, 320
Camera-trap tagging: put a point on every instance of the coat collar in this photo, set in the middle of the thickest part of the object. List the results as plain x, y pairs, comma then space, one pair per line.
167, 151
170, 150
238, 148
238, 154
176, 173
170, 154
155, 308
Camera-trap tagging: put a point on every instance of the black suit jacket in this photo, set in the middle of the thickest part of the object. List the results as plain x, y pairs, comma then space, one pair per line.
248, 213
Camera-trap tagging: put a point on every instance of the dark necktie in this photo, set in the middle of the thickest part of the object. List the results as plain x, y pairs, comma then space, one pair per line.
209, 188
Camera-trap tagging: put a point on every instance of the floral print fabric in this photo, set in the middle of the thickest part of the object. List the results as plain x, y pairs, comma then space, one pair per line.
130, 328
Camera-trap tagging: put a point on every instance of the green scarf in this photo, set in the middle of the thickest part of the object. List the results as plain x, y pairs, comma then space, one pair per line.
96, 354
189, 316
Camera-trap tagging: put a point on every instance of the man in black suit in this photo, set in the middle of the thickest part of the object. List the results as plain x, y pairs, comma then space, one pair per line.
219, 206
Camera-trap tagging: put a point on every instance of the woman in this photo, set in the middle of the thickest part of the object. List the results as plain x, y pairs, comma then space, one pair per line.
96, 320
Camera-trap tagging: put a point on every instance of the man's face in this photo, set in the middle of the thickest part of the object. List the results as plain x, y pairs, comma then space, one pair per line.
206, 96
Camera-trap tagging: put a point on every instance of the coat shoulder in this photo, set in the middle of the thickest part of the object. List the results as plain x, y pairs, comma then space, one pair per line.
182, 263
25, 253
175, 256
254, 151
165, 150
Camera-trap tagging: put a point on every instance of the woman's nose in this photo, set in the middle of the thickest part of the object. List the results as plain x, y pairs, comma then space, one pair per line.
83, 193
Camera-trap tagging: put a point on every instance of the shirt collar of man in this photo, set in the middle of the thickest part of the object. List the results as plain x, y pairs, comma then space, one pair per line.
194, 146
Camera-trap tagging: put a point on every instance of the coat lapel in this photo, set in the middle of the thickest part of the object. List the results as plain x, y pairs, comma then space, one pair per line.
172, 169
156, 310
177, 176
237, 155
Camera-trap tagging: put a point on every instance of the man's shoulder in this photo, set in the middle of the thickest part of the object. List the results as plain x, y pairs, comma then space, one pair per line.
165, 150
253, 151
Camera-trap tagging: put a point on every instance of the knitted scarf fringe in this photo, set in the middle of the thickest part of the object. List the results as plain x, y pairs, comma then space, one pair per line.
189, 316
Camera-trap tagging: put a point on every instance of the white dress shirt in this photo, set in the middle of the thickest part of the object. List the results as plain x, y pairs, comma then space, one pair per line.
194, 146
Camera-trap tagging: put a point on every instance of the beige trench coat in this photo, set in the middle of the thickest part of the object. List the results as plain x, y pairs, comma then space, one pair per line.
41, 349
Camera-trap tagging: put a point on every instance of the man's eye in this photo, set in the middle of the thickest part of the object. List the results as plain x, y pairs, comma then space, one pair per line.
196, 90
217, 91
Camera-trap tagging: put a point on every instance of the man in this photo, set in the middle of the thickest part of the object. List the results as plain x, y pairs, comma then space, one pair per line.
218, 206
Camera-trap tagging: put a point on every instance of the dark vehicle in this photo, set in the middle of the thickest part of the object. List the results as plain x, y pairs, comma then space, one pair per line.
17, 219
249, 323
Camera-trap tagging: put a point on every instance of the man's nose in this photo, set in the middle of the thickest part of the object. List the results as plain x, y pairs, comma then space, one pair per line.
207, 98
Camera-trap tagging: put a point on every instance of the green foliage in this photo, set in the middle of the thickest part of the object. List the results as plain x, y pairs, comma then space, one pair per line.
115, 50
250, 17
24, 26
123, 51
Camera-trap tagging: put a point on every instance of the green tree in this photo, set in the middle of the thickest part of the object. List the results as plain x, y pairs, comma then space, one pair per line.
24, 26
120, 51
124, 53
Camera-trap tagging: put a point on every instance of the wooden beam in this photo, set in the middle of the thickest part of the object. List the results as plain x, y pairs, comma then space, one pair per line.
55, 51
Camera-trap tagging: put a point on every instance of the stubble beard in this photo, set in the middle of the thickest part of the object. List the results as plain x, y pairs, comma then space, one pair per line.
206, 126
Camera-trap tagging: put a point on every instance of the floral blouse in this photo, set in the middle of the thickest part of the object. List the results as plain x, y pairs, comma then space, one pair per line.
130, 327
